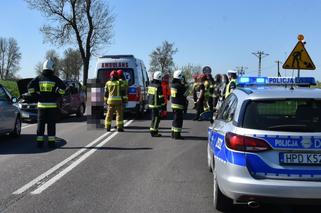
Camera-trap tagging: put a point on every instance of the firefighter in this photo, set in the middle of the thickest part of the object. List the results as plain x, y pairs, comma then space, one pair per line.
156, 102
194, 89
178, 92
47, 88
166, 93
210, 92
232, 82
200, 94
124, 91
114, 102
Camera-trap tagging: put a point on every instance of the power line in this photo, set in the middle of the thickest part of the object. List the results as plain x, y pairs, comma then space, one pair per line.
260, 55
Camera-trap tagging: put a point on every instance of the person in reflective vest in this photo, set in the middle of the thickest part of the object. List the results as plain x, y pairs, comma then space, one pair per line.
156, 102
178, 98
123, 90
194, 89
232, 82
47, 88
200, 94
114, 102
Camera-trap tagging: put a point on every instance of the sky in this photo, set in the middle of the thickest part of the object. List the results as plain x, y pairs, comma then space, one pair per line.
219, 33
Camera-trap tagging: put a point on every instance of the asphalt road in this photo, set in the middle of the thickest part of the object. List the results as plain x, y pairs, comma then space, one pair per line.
95, 171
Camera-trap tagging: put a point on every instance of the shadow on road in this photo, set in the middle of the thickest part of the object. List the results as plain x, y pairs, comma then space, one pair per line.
200, 138
73, 119
25, 144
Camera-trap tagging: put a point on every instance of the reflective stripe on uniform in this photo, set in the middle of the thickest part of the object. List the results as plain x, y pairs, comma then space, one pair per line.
154, 106
173, 92
175, 129
228, 91
40, 138
47, 105
153, 129
177, 106
51, 138
46, 86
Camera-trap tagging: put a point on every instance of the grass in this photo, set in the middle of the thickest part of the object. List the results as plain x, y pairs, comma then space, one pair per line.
11, 86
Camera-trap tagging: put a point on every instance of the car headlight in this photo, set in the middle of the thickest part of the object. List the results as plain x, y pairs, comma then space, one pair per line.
20, 106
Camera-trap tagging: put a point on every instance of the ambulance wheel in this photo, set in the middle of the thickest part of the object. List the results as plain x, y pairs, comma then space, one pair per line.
220, 201
139, 111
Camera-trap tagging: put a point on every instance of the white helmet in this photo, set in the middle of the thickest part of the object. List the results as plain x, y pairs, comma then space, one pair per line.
48, 65
157, 76
231, 72
178, 74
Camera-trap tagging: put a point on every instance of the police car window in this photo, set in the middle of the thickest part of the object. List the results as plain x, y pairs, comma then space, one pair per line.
104, 75
292, 115
224, 107
230, 109
3, 95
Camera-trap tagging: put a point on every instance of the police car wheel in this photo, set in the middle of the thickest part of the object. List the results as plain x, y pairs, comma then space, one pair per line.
17, 128
220, 201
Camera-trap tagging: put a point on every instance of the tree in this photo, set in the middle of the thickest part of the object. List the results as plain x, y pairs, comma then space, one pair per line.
190, 69
162, 58
86, 23
10, 57
53, 55
71, 64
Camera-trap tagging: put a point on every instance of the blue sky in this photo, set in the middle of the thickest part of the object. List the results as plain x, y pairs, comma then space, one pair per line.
219, 33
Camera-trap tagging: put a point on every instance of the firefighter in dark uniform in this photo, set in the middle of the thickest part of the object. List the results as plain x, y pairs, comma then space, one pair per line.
114, 102
156, 102
178, 92
47, 88
200, 97
232, 76
123, 90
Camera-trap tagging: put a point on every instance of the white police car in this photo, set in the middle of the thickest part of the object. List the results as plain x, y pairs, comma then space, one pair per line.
265, 143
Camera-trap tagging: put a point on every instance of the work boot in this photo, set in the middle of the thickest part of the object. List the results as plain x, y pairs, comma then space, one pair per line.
177, 136
120, 129
108, 128
155, 134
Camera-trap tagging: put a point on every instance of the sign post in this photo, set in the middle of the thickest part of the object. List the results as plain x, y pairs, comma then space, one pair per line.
299, 58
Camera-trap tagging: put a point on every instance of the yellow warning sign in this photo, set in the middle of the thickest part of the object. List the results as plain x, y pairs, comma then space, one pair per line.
299, 59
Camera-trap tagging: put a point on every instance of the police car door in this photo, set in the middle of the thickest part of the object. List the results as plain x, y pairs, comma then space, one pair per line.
223, 124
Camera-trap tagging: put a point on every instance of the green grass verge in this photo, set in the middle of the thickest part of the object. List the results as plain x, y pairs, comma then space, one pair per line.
11, 86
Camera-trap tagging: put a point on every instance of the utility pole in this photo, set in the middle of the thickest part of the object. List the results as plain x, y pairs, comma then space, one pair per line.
278, 63
260, 55
241, 70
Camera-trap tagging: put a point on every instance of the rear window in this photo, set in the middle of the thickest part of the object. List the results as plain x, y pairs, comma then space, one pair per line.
291, 115
104, 75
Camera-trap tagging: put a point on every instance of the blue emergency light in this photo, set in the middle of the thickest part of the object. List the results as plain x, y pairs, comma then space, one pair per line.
277, 81
132, 90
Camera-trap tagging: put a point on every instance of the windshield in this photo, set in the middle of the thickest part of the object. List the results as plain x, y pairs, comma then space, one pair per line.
291, 115
104, 75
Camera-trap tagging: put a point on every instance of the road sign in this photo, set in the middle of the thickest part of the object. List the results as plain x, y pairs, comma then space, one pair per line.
299, 59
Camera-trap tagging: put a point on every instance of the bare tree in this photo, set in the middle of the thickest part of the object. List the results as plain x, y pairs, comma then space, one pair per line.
190, 69
87, 23
71, 64
162, 58
10, 57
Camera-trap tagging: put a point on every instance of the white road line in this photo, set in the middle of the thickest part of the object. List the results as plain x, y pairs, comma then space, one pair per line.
74, 164
59, 165
24, 127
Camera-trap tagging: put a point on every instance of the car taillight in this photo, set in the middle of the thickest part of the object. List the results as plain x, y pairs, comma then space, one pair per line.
244, 143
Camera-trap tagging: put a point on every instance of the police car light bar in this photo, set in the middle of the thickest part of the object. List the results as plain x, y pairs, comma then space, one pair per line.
278, 81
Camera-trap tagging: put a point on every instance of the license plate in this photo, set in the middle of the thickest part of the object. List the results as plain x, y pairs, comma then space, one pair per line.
300, 158
25, 115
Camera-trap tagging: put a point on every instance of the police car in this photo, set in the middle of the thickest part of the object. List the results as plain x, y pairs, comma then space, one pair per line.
265, 143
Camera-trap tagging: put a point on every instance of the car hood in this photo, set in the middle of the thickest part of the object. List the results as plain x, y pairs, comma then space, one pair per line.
23, 85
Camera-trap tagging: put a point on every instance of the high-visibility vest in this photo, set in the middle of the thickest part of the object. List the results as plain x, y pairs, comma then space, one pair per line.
228, 88
155, 96
112, 89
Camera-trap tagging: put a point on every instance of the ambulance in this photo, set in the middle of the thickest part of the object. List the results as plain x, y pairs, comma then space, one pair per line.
135, 73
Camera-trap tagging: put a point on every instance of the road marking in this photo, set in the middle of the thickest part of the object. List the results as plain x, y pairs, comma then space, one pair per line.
74, 164
24, 127
59, 165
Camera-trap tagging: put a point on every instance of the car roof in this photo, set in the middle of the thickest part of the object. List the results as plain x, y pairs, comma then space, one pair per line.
252, 93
